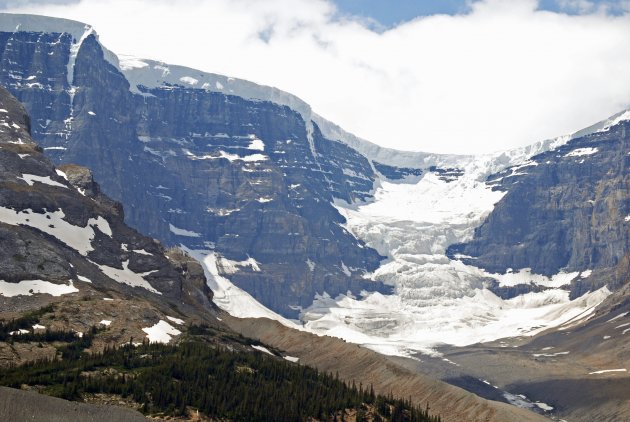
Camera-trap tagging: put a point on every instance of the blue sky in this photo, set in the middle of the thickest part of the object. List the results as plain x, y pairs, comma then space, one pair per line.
389, 13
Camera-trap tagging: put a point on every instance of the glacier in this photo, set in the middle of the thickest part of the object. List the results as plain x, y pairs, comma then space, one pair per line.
436, 300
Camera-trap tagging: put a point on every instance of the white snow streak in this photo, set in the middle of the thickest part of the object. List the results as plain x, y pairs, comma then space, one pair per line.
182, 232
127, 276
579, 152
229, 297
31, 179
605, 371
175, 320
262, 349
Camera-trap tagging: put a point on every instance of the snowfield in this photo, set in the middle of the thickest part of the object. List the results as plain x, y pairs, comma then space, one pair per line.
127, 276
53, 223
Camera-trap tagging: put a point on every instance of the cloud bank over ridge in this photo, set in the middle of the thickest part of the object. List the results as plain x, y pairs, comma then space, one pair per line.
502, 74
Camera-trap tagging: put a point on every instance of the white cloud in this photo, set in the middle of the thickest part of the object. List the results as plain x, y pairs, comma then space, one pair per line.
500, 76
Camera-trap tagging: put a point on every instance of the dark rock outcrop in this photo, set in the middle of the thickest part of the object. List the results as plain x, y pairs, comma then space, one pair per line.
447, 174
396, 173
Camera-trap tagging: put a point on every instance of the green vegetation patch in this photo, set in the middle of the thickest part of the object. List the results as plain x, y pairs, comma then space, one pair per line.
237, 386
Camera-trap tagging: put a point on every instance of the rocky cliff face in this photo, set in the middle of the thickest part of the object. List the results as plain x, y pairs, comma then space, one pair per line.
566, 209
65, 244
251, 180
59, 232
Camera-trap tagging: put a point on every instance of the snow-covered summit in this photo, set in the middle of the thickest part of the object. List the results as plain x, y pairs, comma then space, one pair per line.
154, 74
10, 22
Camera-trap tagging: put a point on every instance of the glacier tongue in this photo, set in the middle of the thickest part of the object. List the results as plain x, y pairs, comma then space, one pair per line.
436, 300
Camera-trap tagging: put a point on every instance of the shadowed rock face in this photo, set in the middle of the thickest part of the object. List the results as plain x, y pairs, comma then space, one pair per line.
46, 212
567, 210
203, 169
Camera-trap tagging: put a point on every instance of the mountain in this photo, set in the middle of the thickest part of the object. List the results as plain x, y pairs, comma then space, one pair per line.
75, 277
409, 254
356, 240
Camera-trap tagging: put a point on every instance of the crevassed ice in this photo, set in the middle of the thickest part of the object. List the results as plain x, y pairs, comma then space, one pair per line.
436, 300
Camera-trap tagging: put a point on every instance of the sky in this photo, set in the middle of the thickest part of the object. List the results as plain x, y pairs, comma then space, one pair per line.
450, 76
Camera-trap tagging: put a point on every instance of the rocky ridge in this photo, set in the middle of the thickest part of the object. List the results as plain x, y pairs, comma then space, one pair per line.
565, 210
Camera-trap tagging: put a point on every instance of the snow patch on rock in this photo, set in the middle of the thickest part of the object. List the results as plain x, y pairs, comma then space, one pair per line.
256, 145
262, 349
162, 332
76, 237
175, 320
127, 276
189, 80
31, 287
30, 179
605, 371
229, 266
579, 152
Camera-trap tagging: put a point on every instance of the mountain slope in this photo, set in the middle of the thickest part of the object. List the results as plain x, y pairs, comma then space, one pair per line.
64, 241
359, 364
20, 405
